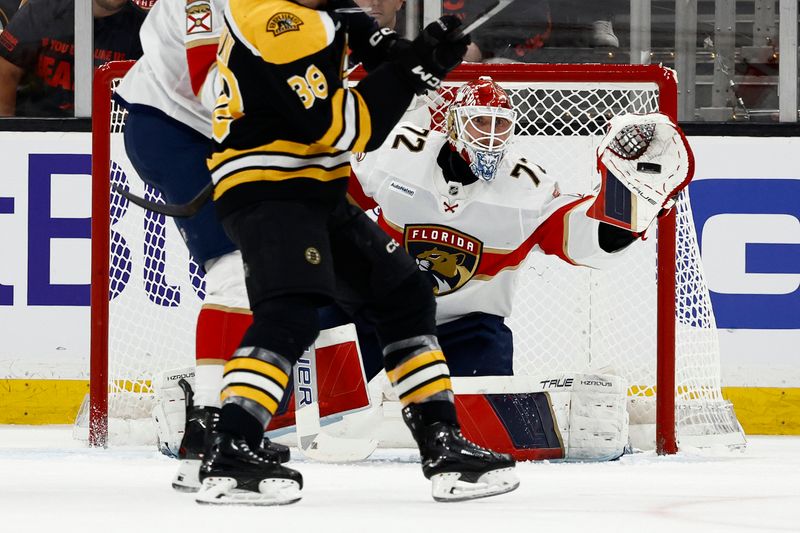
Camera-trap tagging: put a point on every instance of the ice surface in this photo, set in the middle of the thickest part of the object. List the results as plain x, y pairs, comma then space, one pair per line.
50, 483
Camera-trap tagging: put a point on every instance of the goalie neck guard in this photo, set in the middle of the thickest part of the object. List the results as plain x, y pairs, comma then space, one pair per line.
480, 125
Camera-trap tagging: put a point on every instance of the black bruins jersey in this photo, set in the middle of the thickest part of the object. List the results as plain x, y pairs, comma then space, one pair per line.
284, 123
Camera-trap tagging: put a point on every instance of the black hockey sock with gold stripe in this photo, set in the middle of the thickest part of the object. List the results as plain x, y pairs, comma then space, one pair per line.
253, 384
418, 371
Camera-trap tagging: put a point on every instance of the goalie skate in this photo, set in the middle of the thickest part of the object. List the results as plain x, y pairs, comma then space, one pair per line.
232, 473
458, 468
199, 420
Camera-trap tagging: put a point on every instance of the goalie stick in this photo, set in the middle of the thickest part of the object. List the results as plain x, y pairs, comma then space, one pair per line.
313, 439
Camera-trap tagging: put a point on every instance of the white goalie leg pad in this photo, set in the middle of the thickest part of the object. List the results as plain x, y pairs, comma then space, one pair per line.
452, 487
590, 411
169, 413
272, 491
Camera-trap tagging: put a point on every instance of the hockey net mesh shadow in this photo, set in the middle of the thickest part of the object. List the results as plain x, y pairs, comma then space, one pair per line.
565, 318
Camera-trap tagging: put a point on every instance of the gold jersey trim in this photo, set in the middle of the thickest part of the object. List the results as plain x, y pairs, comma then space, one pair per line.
273, 175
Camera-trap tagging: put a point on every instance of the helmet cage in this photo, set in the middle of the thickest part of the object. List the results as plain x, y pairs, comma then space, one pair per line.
481, 135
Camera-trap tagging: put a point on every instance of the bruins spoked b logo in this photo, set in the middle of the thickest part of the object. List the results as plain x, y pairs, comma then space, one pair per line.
313, 256
449, 256
282, 22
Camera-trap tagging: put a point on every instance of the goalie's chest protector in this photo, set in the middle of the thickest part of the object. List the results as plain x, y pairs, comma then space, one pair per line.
471, 240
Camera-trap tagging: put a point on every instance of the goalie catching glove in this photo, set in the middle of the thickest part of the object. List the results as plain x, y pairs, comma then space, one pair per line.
644, 162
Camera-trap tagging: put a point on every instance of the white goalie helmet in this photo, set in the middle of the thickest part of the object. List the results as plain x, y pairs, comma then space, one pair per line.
480, 125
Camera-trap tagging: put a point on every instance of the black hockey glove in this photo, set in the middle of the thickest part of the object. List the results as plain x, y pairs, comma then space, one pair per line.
369, 43
376, 49
433, 54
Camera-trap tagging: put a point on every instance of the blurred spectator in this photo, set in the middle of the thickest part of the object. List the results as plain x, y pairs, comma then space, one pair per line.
7, 10
520, 30
383, 11
581, 23
37, 47
514, 34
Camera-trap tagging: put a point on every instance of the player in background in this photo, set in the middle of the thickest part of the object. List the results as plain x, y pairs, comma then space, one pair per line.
284, 127
37, 50
169, 94
469, 209
383, 11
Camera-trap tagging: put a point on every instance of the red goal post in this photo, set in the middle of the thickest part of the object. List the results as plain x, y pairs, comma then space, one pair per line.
563, 110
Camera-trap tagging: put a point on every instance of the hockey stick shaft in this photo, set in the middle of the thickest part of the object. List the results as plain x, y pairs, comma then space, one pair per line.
481, 19
313, 439
186, 210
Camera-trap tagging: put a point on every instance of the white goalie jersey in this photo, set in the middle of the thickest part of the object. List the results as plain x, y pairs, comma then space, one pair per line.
472, 239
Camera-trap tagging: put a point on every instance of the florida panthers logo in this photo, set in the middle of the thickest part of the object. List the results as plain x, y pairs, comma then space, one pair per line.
283, 22
448, 256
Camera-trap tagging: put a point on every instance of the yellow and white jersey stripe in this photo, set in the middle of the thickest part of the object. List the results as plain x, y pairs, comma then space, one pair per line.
255, 379
277, 161
422, 376
284, 117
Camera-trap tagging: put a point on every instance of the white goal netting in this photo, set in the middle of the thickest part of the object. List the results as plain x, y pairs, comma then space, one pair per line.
565, 318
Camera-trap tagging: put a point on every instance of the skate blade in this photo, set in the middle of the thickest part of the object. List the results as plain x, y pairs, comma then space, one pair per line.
449, 487
187, 477
273, 491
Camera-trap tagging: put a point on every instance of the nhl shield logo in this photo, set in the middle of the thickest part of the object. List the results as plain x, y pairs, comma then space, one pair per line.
448, 256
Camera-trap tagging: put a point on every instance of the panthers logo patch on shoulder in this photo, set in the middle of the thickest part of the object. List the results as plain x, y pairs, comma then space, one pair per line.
449, 256
281, 23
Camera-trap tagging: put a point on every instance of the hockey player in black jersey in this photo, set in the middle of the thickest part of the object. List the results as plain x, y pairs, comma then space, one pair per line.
284, 126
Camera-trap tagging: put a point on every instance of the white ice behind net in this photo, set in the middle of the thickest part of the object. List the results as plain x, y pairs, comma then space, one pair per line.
565, 318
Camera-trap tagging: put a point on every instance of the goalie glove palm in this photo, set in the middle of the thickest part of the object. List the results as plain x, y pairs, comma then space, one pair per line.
644, 162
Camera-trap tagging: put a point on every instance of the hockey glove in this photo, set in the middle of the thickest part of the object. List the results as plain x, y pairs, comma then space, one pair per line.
644, 162
433, 54
369, 43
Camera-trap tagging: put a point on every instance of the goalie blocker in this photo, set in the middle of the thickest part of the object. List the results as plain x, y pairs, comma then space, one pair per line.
566, 416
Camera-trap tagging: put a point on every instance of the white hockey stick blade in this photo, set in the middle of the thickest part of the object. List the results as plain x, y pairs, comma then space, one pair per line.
315, 444
327, 449
312, 439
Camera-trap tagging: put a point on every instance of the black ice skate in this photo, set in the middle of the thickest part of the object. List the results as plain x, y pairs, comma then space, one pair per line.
231, 473
459, 469
200, 421
275, 451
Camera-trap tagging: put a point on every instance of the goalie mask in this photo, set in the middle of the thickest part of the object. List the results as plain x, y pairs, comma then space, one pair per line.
480, 125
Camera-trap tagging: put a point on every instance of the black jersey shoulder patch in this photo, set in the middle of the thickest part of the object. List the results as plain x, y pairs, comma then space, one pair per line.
283, 22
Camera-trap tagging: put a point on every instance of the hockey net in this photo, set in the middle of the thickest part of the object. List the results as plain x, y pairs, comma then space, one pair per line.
648, 319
